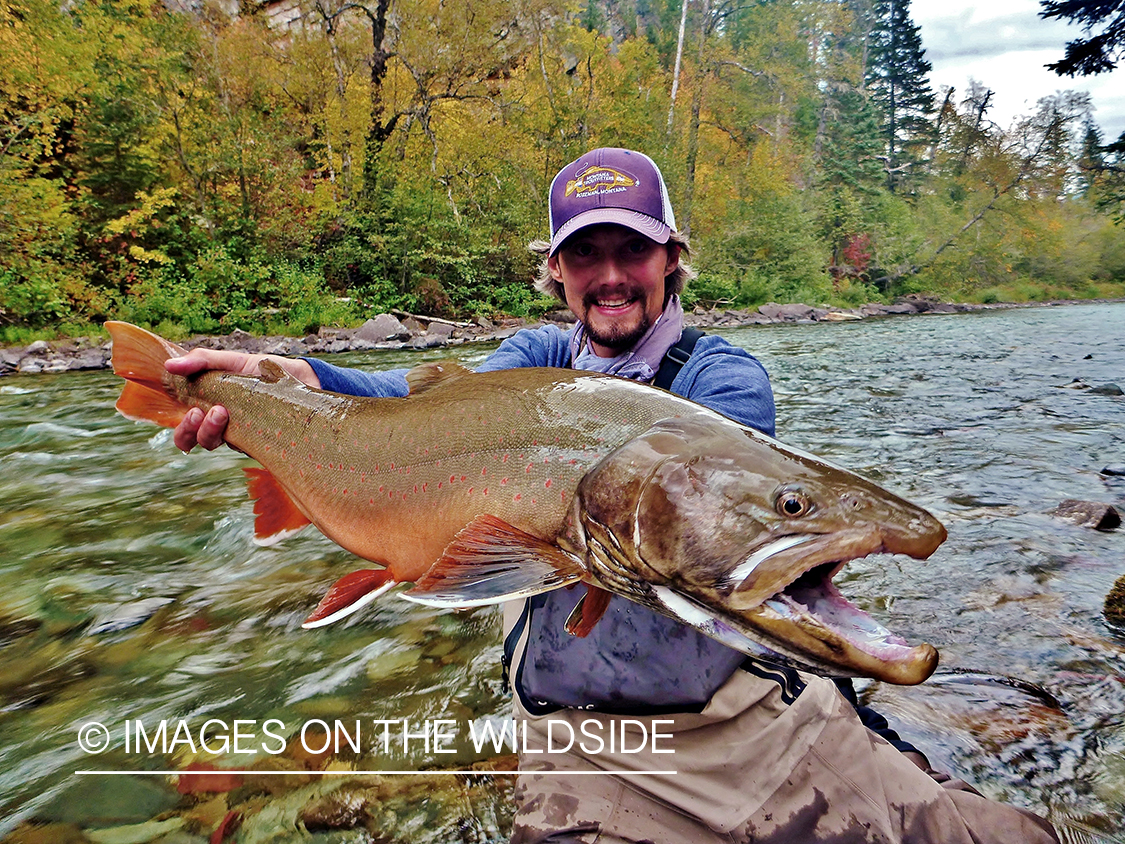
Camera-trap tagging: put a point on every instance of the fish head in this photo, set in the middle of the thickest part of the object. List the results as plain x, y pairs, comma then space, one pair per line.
740, 536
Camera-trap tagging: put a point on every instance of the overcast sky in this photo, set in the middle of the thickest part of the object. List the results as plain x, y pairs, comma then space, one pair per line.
1004, 45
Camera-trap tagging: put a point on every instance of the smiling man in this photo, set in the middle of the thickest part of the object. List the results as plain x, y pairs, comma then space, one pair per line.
749, 751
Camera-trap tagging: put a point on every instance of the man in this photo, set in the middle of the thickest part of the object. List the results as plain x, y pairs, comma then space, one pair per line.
753, 752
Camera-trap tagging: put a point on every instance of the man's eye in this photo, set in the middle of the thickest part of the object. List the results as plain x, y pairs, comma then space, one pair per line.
638, 247
583, 250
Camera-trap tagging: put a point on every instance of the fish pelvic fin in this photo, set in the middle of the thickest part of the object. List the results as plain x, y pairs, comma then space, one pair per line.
138, 357
588, 611
488, 562
349, 594
277, 514
428, 375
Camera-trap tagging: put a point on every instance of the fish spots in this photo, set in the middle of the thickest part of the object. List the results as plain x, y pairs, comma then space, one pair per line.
547, 483
484, 470
517, 497
503, 482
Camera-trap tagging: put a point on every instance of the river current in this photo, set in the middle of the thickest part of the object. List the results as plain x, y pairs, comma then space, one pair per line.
133, 595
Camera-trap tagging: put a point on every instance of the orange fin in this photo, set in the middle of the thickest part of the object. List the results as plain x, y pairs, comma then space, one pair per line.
142, 404
490, 561
588, 611
278, 516
348, 594
138, 356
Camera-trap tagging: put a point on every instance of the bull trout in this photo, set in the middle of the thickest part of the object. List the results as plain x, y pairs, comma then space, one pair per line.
484, 487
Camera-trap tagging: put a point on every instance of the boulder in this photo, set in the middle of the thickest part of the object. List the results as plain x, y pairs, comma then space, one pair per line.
381, 329
1088, 514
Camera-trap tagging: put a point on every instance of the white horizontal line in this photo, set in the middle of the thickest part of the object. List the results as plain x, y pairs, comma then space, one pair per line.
221, 771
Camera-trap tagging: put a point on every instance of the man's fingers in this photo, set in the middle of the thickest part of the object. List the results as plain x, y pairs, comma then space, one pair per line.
205, 430
214, 425
198, 360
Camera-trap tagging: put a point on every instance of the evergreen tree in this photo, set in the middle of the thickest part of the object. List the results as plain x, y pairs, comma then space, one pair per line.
897, 79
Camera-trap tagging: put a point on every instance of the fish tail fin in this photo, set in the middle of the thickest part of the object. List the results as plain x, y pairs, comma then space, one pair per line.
138, 357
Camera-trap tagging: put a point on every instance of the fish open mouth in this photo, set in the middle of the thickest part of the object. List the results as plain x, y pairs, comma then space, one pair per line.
808, 622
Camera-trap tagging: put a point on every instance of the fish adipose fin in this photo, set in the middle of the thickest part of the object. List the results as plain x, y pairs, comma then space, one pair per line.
348, 594
138, 356
490, 561
588, 611
426, 375
277, 515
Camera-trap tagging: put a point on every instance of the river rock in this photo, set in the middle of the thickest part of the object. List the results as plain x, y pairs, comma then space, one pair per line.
1088, 514
1113, 471
1115, 603
127, 615
1106, 390
381, 329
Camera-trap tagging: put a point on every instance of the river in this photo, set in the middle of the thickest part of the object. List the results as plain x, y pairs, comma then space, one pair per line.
135, 595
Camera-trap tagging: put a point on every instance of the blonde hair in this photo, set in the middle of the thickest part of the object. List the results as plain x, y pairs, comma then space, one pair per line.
673, 283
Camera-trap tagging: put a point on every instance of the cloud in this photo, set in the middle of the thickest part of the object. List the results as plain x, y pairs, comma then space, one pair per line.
1005, 45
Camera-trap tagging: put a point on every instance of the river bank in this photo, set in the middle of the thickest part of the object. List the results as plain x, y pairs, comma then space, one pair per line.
396, 331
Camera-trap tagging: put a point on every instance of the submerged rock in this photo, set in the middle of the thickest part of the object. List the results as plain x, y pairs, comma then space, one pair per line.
1088, 514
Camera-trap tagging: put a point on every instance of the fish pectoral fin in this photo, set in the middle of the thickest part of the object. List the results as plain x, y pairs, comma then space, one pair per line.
348, 594
490, 561
588, 611
278, 515
426, 375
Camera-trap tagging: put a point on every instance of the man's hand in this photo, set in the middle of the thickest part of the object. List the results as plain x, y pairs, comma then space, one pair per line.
207, 429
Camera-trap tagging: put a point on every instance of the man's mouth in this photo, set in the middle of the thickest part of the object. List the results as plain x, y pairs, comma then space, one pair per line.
613, 303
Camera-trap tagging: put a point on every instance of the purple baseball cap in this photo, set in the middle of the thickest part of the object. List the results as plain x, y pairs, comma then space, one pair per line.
610, 185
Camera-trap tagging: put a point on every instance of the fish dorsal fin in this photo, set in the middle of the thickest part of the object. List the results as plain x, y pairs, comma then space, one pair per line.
348, 594
425, 376
278, 516
271, 372
490, 561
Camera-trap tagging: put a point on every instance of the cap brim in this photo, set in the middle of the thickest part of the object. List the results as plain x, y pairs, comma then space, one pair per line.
650, 227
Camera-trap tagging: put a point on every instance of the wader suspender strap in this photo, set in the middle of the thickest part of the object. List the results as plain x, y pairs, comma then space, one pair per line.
675, 358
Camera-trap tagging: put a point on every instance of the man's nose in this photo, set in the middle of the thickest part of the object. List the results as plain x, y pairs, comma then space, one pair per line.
613, 270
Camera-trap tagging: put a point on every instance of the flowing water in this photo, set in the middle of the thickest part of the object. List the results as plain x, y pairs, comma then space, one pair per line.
134, 595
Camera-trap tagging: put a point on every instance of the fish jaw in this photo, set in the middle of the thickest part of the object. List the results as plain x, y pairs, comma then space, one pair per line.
806, 623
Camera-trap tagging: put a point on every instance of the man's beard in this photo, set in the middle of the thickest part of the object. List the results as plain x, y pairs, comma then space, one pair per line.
617, 337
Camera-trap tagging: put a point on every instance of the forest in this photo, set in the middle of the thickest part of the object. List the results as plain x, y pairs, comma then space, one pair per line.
199, 167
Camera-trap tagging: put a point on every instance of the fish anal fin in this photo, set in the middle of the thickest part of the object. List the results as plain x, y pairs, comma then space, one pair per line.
490, 561
278, 516
427, 375
348, 594
588, 611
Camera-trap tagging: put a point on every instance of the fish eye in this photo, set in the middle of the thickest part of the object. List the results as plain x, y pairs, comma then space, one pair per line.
793, 503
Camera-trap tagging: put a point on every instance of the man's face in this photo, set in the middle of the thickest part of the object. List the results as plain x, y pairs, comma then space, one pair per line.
613, 278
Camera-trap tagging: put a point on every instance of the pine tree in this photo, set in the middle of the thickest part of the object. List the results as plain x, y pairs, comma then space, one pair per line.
897, 80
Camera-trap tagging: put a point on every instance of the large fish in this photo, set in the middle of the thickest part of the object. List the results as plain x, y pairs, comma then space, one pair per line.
482, 487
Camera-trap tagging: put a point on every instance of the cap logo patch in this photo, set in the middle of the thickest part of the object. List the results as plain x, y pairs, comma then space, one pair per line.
596, 179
